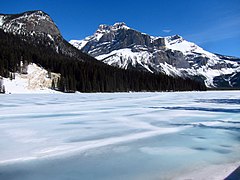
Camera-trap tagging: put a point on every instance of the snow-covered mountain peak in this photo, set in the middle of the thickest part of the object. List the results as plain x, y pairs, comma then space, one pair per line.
121, 46
106, 28
117, 36
120, 25
178, 43
116, 26
174, 38
103, 27
38, 13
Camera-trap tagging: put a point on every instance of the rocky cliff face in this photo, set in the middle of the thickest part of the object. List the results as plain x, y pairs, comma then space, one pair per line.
119, 36
29, 22
120, 46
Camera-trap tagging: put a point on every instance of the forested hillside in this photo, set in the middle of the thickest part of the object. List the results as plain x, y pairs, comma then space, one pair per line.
84, 76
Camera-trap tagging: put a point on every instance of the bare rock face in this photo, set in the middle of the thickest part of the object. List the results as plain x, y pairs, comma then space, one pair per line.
35, 23
35, 27
119, 36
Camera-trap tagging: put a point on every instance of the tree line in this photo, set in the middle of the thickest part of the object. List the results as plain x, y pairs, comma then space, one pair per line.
85, 75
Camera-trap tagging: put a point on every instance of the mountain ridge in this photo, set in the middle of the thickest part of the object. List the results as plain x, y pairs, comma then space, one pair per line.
39, 28
128, 48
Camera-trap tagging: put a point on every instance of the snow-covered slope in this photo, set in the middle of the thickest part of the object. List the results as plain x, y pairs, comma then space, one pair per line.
121, 46
35, 81
188, 48
202, 62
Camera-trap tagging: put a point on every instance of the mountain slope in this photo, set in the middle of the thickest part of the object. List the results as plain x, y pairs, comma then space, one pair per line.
38, 28
76, 73
123, 47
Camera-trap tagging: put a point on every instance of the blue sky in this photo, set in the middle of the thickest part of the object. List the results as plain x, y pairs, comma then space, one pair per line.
212, 24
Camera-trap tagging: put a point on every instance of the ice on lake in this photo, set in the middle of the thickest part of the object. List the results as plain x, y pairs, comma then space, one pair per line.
118, 135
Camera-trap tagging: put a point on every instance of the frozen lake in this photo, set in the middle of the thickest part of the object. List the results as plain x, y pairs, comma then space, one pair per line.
119, 135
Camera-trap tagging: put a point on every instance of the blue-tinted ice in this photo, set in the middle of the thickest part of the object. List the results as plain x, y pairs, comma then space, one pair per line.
117, 135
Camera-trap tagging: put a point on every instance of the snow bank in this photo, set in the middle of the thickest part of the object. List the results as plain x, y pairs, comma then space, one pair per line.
35, 81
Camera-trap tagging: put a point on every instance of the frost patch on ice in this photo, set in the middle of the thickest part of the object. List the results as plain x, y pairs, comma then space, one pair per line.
121, 149
164, 151
87, 145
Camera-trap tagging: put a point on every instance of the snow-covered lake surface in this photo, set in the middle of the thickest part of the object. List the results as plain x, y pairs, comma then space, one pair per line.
180, 135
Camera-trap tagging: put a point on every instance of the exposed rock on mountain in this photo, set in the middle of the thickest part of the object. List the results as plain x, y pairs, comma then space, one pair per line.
30, 23
38, 28
120, 46
33, 38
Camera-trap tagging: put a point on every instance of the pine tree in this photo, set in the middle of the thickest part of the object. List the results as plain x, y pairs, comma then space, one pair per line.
53, 85
3, 89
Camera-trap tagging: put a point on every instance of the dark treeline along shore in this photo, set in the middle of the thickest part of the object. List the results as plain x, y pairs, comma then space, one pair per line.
88, 75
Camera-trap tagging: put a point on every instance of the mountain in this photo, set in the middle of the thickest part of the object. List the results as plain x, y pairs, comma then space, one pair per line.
34, 23
38, 28
121, 46
34, 55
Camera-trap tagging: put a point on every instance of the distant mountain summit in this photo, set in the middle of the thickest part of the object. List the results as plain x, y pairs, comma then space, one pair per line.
119, 36
121, 46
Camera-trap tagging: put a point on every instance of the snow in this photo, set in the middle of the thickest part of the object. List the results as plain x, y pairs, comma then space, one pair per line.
79, 44
180, 135
187, 47
122, 58
148, 59
1, 20
98, 36
35, 81
120, 25
50, 37
17, 25
103, 29
170, 70
209, 73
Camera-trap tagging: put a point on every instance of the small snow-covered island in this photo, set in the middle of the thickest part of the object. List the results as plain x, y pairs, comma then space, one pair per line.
117, 104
